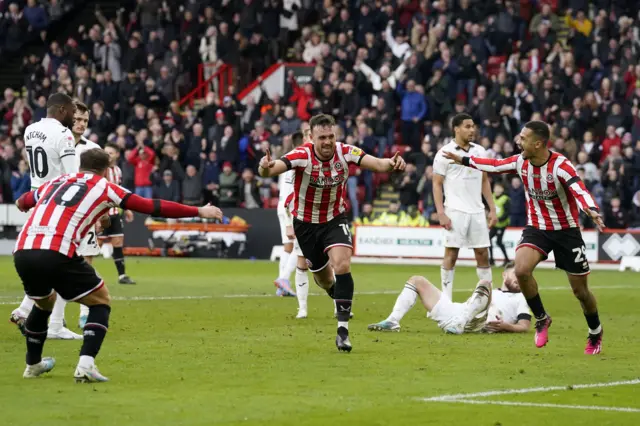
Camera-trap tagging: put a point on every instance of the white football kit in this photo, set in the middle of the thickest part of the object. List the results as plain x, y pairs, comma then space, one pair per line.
510, 307
51, 152
89, 244
463, 199
285, 184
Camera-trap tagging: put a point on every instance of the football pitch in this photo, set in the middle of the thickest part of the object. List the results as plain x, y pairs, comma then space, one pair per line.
202, 342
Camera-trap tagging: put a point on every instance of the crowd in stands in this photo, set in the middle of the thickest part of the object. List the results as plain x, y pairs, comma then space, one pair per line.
393, 72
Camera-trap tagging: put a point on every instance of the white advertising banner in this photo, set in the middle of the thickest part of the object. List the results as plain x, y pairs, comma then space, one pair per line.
427, 243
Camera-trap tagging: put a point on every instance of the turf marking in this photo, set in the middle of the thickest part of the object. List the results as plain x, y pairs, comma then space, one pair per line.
10, 300
467, 398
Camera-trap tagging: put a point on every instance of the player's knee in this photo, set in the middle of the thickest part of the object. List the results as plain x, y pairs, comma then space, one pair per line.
418, 282
523, 272
341, 266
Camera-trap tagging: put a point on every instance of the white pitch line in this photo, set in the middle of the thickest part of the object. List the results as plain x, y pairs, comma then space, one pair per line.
15, 299
545, 405
465, 396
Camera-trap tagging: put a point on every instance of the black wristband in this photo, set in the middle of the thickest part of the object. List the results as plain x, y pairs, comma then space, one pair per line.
466, 161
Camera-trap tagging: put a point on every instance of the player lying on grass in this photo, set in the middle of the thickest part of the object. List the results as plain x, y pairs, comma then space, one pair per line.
46, 257
499, 310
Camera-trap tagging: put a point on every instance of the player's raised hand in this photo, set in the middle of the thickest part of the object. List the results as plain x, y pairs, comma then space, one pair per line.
453, 157
397, 163
266, 162
210, 212
596, 217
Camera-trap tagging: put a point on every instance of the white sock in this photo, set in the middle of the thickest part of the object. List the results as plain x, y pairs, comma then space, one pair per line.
26, 306
404, 303
344, 324
84, 310
596, 331
302, 288
446, 280
484, 273
86, 361
284, 257
57, 314
288, 267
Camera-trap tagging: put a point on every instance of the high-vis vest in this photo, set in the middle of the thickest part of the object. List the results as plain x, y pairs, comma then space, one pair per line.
500, 202
418, 221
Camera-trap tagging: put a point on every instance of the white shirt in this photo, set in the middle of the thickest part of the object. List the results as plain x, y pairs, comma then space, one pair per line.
507, 306
50, 149
462, 185
82, 146
285, 186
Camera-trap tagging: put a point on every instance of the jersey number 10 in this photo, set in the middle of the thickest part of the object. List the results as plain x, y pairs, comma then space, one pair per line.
38, 162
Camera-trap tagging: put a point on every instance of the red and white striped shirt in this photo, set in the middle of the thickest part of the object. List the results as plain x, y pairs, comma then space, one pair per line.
114, 175
554, 191
67, 207
319, 186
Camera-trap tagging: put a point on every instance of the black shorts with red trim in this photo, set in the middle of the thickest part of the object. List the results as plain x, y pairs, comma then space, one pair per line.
567, 246
316, 239
116, 227
45, 271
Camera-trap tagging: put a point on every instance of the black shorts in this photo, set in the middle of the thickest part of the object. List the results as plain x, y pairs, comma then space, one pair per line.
45, 271
116, 227
315, 239
567, 246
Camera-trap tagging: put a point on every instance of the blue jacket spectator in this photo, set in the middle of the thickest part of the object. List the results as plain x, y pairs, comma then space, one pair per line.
20, 180
518, 211
414, 107
36, 15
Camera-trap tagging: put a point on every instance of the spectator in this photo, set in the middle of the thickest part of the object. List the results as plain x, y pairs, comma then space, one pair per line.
211, 179
228, 186
391, 217
408, 188
108, 56
192, 187
227, 147
413, 218
20, 180
167, 189
142, 158
366, 216
36, 15
249, 194
414, 109
518, 209
615, 217
290, 123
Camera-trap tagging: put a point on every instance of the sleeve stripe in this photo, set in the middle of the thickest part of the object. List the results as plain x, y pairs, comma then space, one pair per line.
573, 180
360, 159
66, 155
124, 199
156, 208
287, 162
526, 317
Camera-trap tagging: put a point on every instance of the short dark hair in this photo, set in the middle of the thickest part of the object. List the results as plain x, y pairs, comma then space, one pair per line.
321, 120
81, 107
95, 160
458, 119
297, 138
59, 99
540, 129
112, 145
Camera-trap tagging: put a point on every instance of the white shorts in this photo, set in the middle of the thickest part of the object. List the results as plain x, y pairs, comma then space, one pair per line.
446, 311
89, 245
282, 218
467, 230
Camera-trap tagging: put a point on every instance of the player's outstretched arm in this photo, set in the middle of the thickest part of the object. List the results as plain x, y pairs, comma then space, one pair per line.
489, 165
28, 200
269, 167
169, 209
383, 165
499, 326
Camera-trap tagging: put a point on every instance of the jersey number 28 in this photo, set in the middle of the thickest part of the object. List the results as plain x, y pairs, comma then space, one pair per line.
38, 161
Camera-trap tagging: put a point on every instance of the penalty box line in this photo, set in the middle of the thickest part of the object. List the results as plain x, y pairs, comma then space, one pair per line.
11, 300
468, 398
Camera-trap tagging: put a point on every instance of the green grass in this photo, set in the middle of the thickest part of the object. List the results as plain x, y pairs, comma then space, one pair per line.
246, 360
